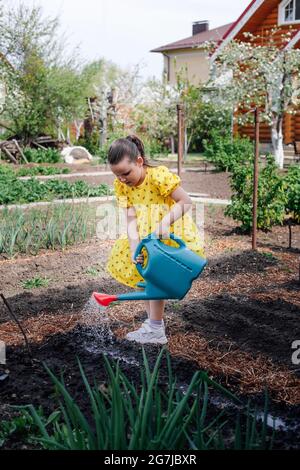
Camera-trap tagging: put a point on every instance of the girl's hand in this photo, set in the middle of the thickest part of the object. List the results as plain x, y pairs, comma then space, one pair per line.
162, 231
139, 259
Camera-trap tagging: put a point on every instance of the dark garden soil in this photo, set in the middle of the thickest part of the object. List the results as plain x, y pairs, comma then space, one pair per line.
238, 323
29, 383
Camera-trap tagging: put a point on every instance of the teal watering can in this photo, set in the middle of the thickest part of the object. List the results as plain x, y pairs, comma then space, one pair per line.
168, 274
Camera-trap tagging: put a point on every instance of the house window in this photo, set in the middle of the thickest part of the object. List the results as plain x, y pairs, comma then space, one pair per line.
297, 10
290, 11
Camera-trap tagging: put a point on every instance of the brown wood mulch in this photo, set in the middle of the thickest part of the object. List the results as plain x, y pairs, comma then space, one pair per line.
253, 373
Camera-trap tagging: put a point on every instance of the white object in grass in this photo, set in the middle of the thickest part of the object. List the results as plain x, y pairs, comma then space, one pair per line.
76, 154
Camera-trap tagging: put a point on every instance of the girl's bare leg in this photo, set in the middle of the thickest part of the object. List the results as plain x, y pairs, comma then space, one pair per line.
157, 308
147, 307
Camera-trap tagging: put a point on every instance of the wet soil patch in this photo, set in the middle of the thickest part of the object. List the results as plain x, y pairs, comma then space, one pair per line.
70, 298
32, 384
27, 383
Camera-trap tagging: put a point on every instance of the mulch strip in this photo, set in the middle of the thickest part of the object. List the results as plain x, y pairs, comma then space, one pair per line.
252, 373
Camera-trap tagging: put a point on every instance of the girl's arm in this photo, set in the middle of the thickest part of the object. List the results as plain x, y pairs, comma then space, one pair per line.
183, 205
133, 233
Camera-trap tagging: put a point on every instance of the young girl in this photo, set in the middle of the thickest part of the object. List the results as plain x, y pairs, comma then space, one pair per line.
154, 202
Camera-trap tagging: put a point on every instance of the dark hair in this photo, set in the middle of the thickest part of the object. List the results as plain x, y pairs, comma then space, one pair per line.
131, 147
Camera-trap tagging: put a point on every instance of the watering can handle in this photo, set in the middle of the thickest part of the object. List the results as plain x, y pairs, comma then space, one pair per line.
178, 240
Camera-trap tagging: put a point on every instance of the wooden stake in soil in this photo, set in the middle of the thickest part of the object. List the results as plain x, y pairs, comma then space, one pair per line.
19, 325
255, 181
180, 137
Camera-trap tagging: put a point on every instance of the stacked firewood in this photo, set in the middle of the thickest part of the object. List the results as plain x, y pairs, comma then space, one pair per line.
12, 149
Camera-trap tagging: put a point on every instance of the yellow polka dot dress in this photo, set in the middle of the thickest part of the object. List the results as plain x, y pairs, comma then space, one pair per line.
152, 202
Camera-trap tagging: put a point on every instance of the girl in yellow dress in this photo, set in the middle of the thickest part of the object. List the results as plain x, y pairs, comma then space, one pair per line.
154, 202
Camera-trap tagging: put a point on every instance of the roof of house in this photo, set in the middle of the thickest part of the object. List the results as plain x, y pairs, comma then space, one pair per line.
257, 10
235, 23
215, 34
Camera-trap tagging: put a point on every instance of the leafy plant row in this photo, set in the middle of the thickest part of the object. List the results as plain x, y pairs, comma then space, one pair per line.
55, 228
7, 170
150, 416
13, 190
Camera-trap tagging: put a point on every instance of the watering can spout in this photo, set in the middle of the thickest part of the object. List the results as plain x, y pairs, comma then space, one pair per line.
105, 299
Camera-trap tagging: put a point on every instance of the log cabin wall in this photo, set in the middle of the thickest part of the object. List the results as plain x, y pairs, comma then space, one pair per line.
291, 130
260, 24
297, 127
263, 21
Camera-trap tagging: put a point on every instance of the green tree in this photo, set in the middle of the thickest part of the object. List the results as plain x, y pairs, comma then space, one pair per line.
248, 75
155, 114
43, 84
203, 120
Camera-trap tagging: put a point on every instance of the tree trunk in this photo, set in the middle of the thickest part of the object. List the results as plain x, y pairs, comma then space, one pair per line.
189, 142
290, 233
60, 134
78, 126
68, 136
277, 142
185, 148
172, 140
103, 132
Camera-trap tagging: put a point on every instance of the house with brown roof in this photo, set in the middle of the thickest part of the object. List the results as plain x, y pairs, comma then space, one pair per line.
259, 19
186, 55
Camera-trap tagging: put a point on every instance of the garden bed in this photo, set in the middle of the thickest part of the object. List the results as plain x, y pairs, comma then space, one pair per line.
210, 183
238, 323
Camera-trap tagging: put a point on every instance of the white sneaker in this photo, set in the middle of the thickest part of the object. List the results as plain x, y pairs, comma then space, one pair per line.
148, 334
148, 321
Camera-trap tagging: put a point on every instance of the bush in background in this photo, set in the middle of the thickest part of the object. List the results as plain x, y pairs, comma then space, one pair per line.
292, 203
226, 152
48, 155
92, 144
271, 195
292, 187
154, 147
205, 122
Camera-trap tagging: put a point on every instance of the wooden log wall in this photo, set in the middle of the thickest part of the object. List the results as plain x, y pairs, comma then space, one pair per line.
291, 130
297, 127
